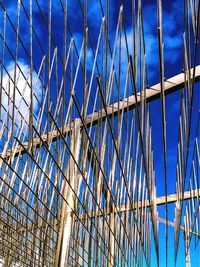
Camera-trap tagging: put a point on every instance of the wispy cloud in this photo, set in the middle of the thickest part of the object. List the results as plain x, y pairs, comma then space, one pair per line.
172, 40
171, 36
22, 92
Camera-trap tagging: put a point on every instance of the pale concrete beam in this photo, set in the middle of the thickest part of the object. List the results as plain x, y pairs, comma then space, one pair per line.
141, 204
171, 85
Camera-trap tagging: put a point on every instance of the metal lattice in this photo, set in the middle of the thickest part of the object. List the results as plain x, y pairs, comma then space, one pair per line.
79, 184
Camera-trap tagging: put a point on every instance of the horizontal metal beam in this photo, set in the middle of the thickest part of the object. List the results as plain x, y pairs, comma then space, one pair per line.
170, 85
146, 203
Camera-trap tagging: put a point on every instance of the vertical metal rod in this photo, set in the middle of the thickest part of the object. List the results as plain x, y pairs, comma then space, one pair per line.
66, 223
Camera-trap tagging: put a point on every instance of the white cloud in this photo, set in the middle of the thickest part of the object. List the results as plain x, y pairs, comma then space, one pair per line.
22, 92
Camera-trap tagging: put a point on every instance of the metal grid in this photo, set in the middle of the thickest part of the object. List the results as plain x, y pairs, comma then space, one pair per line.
77, 176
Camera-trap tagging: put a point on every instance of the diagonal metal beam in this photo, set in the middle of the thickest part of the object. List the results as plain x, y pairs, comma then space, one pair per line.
171, 85
141, 204
171, 224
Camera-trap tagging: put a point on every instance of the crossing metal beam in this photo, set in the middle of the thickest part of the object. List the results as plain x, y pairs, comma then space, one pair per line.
141, 204
170, 85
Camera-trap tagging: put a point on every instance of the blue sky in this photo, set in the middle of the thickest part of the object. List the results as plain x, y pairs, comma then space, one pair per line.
173, 54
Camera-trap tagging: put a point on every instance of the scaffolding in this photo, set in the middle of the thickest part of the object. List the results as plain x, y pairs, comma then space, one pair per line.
79, 182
